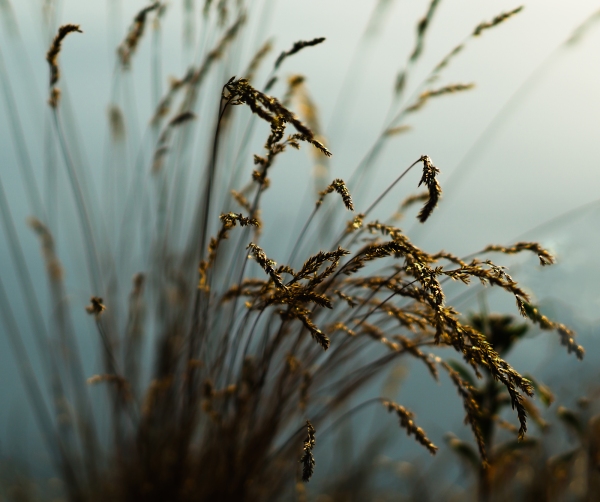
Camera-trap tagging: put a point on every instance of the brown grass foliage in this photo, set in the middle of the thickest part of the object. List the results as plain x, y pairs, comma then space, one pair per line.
252, 360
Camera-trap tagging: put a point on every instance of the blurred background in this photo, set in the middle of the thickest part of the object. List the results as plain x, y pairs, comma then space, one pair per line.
519, 154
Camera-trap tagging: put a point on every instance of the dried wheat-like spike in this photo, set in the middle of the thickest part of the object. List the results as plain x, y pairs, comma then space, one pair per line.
505, 424
317, 144
163, 140
354, 224
372, 252
467, 393
478, 352
96, 379
266, 264
121, 383
394, 131
303, 295
340, 187
450, 257
404, 245
534, 414
427, 276
54, 98
52, 58
248, 287
223, 11
341, 327
271, 110
424, 97
448, 89
400, 82
298, 46
435, 191
495, 276
134, 330
260, 177
129, 45
241, 199
567, 336
165, 103
308, 460
203, 271
414, 350
406, 422
314, 263
116, 122
320, 337
257, 60
297, 91
445, 61
294, 83
416, 322
182, 118
422, 29
298, 94
377, 334
53, 266
96, 307
54, 50
517, 403
543, 393
500, 18
286, 269
501, 371
228, 221
545, 257
349, 299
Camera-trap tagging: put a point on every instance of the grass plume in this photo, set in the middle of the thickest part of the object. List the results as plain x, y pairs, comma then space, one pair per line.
248, 355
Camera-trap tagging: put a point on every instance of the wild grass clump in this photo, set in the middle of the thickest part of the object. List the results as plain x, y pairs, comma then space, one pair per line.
252, 361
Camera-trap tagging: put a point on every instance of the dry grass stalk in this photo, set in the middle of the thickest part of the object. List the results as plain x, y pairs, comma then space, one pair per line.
422, 27
425, 96
54, 50
406, 422
545, 257
297, 47
340, 187
52, 59
566, 334
307, 459
53, 266
129, 45
435, 191
500, 18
